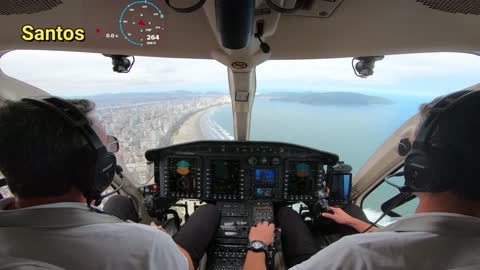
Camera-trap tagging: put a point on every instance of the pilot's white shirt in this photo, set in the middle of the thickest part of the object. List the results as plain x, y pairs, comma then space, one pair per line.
419, 241
71, 236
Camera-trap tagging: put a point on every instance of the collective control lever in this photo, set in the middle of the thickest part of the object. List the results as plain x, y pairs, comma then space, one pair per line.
149, 204
321, 206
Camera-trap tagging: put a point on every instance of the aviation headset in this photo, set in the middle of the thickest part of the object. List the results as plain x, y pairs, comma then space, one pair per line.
105, 161
431, 165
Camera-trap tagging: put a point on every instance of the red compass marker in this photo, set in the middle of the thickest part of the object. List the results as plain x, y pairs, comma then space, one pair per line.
141, 22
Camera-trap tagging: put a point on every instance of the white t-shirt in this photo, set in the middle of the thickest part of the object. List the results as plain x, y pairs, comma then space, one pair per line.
420, 241
71, 236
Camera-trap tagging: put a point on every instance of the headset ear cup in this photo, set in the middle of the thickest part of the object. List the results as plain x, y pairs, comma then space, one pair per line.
105, 172
418, 171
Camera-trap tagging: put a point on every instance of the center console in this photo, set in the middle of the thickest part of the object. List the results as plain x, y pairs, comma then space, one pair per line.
231, 242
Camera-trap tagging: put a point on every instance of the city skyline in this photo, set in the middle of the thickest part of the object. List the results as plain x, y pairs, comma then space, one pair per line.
144, 126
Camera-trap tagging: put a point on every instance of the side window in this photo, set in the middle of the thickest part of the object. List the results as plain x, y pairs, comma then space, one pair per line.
372, 203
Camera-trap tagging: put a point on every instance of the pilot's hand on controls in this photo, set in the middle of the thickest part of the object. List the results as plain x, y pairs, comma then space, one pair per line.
157, 227
339, 216
262, 232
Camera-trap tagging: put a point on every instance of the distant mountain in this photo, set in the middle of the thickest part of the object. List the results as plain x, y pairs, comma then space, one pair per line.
328, 98
142, 97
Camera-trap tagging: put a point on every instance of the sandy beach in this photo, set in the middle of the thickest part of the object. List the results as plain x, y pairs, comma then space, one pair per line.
190, 129
187, 132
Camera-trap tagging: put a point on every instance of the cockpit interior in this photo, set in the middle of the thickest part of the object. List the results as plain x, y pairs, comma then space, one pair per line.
247, 179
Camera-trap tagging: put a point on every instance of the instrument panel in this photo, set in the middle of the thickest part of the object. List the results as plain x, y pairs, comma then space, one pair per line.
245, 180
237, 171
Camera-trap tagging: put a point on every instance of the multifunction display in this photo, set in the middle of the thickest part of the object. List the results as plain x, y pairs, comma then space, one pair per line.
264, 176
340, 185
226, 177
303, 177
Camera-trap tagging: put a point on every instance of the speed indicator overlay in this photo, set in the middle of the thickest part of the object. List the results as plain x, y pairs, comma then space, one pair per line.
141, 23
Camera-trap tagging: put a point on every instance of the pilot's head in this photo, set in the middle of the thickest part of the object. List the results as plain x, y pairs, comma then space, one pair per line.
41, 155
442, 158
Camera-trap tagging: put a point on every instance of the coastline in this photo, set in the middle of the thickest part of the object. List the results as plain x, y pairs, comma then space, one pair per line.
189, 129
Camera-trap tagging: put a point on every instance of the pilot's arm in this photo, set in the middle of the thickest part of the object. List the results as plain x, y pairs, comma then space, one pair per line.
182, 250
344, 254
341, 217
262, 232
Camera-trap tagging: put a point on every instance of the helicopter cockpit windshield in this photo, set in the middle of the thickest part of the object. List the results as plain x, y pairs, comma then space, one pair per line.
203, 109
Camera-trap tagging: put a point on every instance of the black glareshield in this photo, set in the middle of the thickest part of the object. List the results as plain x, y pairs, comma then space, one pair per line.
340, 185
235, 22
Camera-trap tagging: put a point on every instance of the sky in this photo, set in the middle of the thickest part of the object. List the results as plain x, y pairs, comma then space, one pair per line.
85, 74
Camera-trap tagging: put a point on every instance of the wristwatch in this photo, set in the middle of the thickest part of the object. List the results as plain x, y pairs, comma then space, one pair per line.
257, 246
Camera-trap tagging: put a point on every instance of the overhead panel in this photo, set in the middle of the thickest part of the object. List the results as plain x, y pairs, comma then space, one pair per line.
126, 27
319, 29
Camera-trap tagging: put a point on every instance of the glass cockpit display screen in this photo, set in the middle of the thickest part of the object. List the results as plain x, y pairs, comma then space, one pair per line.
226, 177
181, 173
302, 178
263, 192
340, 186
265, 176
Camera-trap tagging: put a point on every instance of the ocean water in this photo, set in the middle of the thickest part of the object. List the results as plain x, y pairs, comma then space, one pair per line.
352, 132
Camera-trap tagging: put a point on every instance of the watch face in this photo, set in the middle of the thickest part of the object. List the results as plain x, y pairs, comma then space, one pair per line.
257, 245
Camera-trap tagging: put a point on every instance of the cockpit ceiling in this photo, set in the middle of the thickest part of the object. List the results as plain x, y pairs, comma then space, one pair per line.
356, 28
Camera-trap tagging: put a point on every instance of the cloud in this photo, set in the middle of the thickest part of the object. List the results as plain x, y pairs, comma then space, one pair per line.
413, 74
388, 71
72, 73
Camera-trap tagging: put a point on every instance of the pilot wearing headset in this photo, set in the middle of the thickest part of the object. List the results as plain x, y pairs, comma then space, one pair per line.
442, 168
54, 157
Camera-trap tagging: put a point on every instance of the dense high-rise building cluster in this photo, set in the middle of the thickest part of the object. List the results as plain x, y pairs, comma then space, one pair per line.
140, 127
